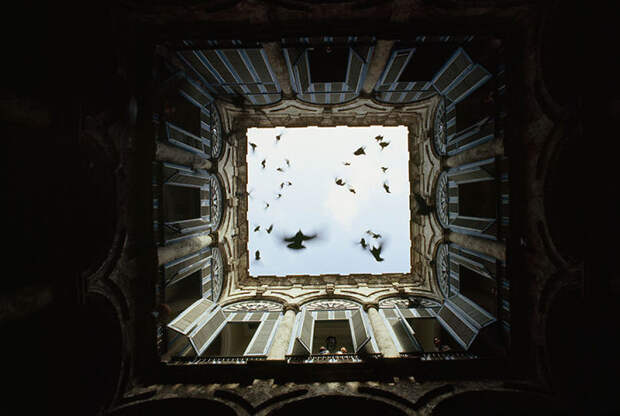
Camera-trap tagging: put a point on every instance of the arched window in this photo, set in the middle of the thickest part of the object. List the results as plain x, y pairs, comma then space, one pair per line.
333, 324
241, 329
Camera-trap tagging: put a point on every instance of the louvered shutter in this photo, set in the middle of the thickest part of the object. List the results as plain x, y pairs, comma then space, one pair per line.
264, 335
461, 331
188, 319
306, 331
359, 331
475, 313
415, 345
207, 330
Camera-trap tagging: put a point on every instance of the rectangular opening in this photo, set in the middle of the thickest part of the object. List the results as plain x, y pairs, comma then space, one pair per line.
476, 106
426, 61
339, 329
427, 329
181, 203
476, 199
328, 200
233, 340
328, 66
180, 295
479, 289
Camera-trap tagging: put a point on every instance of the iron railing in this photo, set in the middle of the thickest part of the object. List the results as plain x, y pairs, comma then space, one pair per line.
213, 360
331, 358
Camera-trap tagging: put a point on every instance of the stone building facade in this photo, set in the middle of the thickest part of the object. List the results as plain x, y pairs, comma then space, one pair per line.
155, 311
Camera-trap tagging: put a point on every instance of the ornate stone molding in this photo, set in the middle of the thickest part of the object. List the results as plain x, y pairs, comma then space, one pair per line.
442, 200
440, 129
217, 202
420, 302
330, 305
254, 306
442, 269
217, 267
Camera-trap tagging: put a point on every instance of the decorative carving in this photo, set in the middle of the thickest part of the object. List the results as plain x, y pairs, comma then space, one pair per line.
440, 129
216, 202
442, 200
216, 133
442, 269
254, 306
410, 302
331, 305
217, 273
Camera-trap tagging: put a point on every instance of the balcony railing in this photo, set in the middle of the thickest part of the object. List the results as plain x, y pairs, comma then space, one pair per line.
447, 356
213, 360
330, 358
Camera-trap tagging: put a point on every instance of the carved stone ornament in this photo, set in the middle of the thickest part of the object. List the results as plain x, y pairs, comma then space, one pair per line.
217, 274
442, 200
440, 129
253, 306
331, 305
405, 303
216, 202
442, 269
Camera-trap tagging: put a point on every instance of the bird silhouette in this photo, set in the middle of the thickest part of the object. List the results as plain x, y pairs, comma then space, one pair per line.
280, 170
351, 190
359, 151
423, 207
257, 228
340, 182
269, 229
373, 235
376, 252
266, 205
363, 243
379, 138
257, 255
278, 137
289, 183
263, 163
288, 162
386, 187
346, 163
279, 196
282, 185
384, 144
384, 169
253, 146
297, 239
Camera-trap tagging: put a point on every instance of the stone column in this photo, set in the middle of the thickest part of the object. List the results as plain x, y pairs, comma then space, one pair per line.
276, 59
174, 251
165, 153
382, 336
283, 334
492, 248
484, 151
378, 60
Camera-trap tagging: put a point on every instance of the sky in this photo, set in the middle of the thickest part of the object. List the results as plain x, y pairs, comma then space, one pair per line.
315, 204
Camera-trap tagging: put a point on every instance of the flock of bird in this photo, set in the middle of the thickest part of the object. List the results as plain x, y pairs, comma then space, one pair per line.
375, 243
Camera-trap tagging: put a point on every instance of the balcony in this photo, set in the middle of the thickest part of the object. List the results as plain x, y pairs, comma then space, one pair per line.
213, 360
331, 358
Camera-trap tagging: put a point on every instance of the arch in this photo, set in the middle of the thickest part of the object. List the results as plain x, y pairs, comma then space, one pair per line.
337, 404
216, 200
175, 405
217, 142
442, 269
398, 302
440, 129
331, 304
218, 273
254, 305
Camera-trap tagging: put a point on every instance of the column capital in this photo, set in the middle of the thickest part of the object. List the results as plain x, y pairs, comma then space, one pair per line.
291, 307
368, 305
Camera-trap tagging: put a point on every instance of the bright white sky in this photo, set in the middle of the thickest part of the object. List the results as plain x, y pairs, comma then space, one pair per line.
314, 203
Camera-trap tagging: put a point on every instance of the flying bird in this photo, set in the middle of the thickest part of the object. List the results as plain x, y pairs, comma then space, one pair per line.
351, 190
282, 185
269, 229
363, 243
359, 151
386, 187
257, 228
257, 255
370, 233
280, 170
346, 163
263, 163
253, 146
288, 162
340, 182
289, 183
297, 239
379, 138
384, 169
384, 144
376, 252
279, 196
266, 205
278, 137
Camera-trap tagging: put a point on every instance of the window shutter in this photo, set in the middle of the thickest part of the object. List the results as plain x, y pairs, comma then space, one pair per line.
415, 345
262, 338
463, 333
359, 331
207, 330
475, 313
188, 319
306, 331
